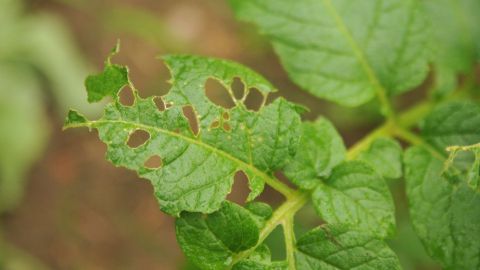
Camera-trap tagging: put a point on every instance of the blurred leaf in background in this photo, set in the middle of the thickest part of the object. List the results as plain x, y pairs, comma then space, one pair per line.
457, 34
36, 54
40, 71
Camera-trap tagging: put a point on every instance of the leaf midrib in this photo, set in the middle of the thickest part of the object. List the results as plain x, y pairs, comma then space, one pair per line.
226, 155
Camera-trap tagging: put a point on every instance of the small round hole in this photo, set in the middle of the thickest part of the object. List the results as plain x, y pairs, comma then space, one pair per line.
215, 124
226, 126
126, 97
159, 103
154, 162
138, 138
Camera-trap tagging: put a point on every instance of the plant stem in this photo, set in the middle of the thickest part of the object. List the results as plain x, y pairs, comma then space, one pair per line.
383, 130
289, 241
455, 148
286, 210
297, 199
414, 139
411, 116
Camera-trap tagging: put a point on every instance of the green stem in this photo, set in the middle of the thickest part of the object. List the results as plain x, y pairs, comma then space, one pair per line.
289, 233
383, 130
410, 117
285, 211
296, 200
455, 148
414, 139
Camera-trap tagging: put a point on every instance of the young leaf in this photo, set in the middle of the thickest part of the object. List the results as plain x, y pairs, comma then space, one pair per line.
260, 260
456, 31
23, 131
320, 149
456, 35
385, 156
445, 81
335, 247
345, 51
212, 241
453, 123
196, 170
357, 195
445, 212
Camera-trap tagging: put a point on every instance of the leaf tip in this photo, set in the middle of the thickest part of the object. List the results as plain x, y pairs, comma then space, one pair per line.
74, 119
108, 83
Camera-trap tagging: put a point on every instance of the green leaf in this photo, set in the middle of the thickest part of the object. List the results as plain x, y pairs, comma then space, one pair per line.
445, 212
321, 148
211, 241
197, 170
456, 32
355, 194
445, 81
260, 260
109, 82
453, 123
336, 247
23, 131
385, 156
345, 51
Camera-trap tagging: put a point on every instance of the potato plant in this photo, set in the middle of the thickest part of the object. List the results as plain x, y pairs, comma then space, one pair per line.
350, 53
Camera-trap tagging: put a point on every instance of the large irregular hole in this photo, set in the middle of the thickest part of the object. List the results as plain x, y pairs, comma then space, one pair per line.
283, 178
154, 162
272, 97
254, 99
126, 97
159, 103
192, 118
275, 242
238, 88
218, 94
240, 188
138, 138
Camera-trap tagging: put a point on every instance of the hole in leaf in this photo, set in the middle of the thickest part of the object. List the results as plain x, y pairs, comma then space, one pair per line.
154, 162
138, 138
238, 88
254, 99
159, 103
272, 97
218, 94
215, 124
226, 115
275, 242
306, 217
284, 179
126, 97
168, 105
226, 126
190, 114
240, 189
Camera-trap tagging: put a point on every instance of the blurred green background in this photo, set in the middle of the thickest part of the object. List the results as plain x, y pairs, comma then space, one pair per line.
62, 206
